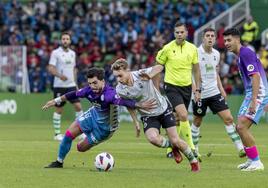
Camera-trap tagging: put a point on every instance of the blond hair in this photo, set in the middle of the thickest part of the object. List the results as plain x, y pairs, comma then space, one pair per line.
120, 64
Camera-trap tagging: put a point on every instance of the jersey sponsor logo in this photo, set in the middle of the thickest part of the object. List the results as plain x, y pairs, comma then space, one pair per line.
209, 68
250, 67
68, 62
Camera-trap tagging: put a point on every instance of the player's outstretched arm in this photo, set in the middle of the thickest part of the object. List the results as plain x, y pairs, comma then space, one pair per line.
133, 115
53, 102
155, 71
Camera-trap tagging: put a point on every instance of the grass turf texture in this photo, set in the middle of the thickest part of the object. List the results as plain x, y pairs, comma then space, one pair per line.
26, 147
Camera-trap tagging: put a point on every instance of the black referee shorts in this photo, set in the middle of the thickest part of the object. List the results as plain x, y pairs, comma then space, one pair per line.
178, 94
58, 91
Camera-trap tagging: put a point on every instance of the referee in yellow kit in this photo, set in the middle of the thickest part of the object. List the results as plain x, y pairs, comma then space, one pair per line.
180, 59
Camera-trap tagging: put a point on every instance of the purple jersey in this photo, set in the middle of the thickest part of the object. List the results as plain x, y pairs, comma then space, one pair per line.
249, 64
104, 106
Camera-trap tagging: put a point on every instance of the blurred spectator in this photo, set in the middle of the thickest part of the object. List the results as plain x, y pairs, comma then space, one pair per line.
263, 56
250, 31
116, 28
220, 40
224, 67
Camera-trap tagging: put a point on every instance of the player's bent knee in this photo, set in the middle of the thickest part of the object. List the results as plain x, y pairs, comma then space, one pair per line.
242, 120
197, 122
184, 117
240, 128
228, 121
174, 142
154, 140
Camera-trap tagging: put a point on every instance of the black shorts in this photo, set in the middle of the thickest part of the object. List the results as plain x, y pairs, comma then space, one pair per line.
58, 91
166, 120
216, 104
178, 94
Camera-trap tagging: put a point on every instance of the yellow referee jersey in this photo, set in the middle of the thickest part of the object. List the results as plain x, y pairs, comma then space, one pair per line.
178, 61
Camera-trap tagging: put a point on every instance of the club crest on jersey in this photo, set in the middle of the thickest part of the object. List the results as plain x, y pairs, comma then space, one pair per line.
116, 96
250, 67
102, 97
199, 111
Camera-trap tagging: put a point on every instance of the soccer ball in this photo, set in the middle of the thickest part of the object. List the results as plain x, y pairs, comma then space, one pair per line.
104, 162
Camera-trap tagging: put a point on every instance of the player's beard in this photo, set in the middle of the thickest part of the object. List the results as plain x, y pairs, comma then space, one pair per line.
65, 46
98, 91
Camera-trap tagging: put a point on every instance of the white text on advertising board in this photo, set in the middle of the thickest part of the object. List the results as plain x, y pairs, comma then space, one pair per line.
8, 106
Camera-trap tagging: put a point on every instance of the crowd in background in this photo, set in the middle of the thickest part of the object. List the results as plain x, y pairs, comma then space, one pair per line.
103, 32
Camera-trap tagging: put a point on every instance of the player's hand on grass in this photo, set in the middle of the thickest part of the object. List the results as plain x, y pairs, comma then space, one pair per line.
144, 75
49, 104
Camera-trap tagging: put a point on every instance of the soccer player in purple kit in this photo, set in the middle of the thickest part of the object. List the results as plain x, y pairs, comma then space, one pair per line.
100, 121
256, 96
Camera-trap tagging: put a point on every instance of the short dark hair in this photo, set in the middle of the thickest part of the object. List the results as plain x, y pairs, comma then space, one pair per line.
209, 29
179, 24
66, 33
232, 31
94, 71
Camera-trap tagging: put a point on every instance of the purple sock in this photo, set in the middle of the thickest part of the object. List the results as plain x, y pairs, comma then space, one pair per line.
252, 153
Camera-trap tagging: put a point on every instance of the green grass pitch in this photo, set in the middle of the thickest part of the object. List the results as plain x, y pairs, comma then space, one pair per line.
26, 147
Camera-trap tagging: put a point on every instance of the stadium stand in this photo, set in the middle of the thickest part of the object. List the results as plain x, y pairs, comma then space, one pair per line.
103, 32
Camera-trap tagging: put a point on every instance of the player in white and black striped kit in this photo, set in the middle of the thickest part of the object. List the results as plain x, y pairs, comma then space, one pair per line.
62, 65
131, 85
212, 94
